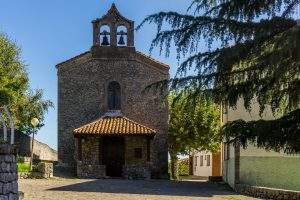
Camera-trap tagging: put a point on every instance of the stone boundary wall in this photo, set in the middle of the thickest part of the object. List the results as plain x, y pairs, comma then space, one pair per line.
8, 173
42, 170
267, 193
41, 150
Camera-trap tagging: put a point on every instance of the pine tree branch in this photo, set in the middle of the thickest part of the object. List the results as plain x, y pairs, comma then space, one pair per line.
278, 135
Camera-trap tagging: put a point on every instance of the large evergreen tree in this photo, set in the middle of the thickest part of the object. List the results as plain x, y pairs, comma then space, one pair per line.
253, 53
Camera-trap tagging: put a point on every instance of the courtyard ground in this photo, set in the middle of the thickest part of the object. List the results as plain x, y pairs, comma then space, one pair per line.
115, 189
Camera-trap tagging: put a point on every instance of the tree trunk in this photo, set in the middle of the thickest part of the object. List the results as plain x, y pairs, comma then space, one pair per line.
174, 166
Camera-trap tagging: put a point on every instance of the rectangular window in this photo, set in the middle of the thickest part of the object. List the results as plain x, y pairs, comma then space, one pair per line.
201, 160
207, 160
138, 153
196, 160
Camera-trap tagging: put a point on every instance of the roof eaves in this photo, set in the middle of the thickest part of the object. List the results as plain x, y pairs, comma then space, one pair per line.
153, 60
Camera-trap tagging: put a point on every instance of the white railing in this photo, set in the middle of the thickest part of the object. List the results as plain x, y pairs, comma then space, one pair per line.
4, 110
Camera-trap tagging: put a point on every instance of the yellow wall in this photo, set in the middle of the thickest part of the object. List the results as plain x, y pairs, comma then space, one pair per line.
258, 166
269, 169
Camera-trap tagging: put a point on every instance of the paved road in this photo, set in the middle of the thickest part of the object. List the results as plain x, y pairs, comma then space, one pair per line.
113, 189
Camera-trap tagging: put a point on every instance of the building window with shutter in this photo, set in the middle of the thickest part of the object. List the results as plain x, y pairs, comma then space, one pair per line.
208, 160
201, 160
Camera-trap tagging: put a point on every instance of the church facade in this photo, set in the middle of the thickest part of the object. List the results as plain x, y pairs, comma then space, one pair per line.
108, 124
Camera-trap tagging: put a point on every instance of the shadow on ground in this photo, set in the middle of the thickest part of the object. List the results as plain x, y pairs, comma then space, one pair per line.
61, 172
151, 187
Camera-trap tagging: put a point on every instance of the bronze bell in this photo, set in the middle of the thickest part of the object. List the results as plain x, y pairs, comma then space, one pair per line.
105, 41
121, 40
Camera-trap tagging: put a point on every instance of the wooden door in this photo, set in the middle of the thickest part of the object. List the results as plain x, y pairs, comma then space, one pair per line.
113, 155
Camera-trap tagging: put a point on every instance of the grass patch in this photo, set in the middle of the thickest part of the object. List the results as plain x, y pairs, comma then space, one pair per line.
23, 167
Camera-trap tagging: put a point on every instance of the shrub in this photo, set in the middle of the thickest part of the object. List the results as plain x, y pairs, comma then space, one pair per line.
183, 167
23, 167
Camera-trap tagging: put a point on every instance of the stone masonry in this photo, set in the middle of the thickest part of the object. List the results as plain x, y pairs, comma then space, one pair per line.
267, 193
82, 94
91, 167
8, 173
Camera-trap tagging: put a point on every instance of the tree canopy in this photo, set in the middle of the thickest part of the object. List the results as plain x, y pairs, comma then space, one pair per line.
14, 88
253, 51
193, 125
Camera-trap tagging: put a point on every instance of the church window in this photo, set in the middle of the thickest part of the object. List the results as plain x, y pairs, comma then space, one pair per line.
114, 96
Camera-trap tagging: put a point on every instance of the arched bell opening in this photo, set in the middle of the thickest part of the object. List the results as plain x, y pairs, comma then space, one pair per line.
105, 39
122, 36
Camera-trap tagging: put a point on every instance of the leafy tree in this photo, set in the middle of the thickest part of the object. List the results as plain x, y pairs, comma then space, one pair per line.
193, 125
31, 106
253, 52
14, 88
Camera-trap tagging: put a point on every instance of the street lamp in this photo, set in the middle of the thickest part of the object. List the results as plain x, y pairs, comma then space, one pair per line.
34, 123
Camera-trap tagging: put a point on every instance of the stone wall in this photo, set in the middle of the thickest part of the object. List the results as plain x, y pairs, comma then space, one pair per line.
8, 173
131, 143
91, 166
137, 168
82, 97
41, 150
267, 193
42, 170
90, 171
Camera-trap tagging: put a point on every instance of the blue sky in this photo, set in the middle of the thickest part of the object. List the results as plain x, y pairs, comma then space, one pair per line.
49, 32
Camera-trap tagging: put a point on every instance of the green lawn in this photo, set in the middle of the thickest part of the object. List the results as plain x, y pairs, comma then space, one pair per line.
23, 167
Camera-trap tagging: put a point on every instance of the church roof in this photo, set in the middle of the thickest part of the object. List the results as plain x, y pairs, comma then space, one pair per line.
139, 55
142, 55
114, 125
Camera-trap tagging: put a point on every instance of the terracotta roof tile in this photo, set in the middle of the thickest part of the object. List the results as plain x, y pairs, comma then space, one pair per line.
114, 126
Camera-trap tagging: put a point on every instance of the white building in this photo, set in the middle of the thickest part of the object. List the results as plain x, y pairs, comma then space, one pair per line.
206, 164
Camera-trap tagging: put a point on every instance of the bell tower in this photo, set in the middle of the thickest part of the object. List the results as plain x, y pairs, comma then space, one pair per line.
113, 30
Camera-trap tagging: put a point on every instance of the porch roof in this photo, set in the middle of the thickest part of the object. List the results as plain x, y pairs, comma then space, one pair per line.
118, 125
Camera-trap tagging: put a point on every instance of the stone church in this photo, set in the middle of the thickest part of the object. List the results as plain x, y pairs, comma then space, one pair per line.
108, 124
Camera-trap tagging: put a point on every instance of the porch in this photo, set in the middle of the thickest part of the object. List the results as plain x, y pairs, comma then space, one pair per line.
114, 147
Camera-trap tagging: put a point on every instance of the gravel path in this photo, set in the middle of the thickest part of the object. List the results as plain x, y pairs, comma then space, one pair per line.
113, 189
